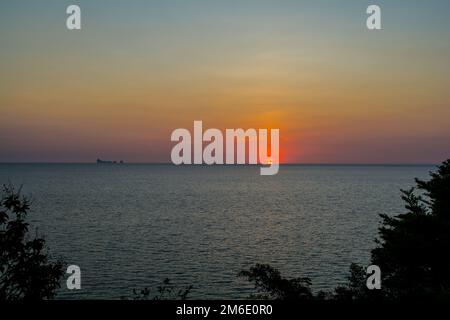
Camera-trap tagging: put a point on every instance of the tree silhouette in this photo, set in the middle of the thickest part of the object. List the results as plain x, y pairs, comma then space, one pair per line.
25, 270
166, 291
271, 285
413, 248
412, 252
355, 288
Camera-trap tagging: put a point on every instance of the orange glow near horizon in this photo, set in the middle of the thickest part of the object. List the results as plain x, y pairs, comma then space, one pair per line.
117, 89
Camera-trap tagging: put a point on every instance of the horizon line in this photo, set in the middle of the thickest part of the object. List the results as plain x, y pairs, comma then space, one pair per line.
259, 164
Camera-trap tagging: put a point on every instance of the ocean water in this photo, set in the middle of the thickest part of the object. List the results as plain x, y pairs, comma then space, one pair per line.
131, 226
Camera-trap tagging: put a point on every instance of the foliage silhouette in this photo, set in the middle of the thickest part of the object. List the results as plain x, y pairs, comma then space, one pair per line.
25, 270
166, 291
270, 284
355, 288
412, 253
413, 248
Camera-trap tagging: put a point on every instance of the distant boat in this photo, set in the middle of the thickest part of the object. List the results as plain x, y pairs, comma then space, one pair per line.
99, 161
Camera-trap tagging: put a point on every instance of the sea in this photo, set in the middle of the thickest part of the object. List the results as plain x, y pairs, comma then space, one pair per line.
130, 226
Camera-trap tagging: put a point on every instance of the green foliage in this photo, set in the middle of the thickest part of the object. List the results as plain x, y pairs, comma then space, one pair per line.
25, 270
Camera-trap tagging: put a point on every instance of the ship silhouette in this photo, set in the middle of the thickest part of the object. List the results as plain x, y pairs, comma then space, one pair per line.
99, 161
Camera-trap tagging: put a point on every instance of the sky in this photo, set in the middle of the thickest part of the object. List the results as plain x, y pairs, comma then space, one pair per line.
137, 70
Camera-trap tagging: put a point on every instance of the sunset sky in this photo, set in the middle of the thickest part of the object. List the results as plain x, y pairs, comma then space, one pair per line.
137, 70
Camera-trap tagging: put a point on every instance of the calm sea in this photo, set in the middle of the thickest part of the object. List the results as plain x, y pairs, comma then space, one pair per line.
130, 226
